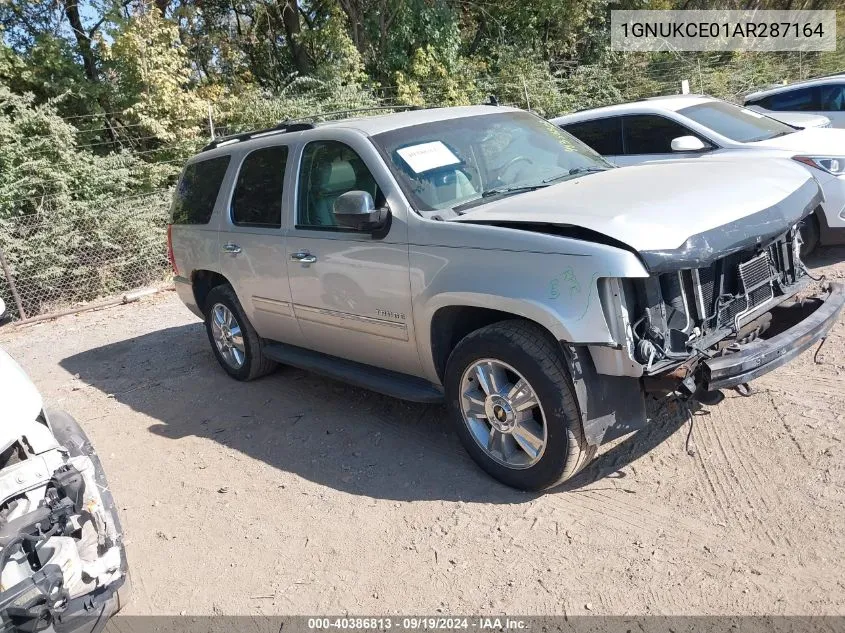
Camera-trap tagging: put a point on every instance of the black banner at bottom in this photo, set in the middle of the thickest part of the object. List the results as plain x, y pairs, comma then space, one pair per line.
474, 623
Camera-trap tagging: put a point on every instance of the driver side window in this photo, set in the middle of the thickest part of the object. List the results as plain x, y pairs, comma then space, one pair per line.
328, 170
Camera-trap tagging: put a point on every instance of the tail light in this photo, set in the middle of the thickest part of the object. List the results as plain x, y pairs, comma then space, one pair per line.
170, 249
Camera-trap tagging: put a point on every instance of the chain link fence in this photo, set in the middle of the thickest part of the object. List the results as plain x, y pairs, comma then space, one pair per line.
76, 254
55, 260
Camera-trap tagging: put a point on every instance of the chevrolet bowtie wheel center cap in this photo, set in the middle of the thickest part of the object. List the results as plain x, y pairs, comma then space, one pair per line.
500, 413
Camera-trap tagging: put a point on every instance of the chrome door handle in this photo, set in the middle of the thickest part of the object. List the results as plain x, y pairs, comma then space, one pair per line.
229, 247
303, 257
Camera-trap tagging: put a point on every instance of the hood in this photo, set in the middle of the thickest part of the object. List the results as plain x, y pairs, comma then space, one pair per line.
20, 401
811, 142
660, 206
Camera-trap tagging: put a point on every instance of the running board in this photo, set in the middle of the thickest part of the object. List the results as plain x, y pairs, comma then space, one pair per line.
389, 383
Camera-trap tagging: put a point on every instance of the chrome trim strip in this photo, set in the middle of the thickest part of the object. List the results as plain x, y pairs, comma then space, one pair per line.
273, 306
355, 322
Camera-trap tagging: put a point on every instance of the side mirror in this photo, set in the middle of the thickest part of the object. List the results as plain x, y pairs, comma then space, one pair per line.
688, 144
2, 308
357, 210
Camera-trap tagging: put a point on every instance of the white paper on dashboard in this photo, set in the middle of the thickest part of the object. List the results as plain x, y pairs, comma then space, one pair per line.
427, 156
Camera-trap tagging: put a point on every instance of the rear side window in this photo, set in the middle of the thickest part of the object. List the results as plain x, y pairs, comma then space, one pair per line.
197, 191
800, 100
602, 135
257, 199
651, 134
832, 98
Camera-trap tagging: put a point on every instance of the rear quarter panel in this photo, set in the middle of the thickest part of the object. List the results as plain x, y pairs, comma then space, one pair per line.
195, 246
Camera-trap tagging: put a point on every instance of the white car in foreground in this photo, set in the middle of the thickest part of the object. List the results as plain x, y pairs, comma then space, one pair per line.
62, 561
693, 126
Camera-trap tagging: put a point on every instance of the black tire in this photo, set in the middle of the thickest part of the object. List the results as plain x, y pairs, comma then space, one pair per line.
530, 350
255, 364
810, 234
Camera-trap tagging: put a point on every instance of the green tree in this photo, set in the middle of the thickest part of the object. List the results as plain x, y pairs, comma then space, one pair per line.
151, 74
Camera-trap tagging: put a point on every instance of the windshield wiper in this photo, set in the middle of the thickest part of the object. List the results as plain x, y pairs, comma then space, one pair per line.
586, 170
499, 191
575, 171
509, 191
769, 138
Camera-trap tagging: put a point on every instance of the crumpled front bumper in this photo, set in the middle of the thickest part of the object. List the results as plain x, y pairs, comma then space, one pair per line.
89, 613
811, 320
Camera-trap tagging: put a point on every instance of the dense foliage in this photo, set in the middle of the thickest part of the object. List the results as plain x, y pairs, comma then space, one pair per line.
101, 100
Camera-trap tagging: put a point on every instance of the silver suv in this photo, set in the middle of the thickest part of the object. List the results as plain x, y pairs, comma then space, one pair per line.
484, 256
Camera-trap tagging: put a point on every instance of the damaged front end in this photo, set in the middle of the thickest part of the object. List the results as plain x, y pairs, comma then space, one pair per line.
729, 319
62, 561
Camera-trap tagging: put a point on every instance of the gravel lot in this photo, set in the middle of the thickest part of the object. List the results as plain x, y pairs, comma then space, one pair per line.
299, 495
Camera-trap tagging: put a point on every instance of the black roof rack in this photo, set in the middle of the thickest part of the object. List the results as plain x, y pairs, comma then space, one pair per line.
298, 125
281, 128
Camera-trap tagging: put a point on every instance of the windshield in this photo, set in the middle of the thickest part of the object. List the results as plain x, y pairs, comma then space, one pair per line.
738, 124
456, 163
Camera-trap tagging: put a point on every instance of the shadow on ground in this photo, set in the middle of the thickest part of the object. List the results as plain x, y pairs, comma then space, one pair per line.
330, 433
826, 256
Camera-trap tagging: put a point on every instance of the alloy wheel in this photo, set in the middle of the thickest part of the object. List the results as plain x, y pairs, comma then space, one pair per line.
227, 335
503, 413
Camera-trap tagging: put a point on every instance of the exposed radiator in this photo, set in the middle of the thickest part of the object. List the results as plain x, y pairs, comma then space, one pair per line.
755, 272
703, 284
755, 289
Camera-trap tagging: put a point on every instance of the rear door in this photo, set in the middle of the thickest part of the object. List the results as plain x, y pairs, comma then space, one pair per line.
648, 137
252, 244
602, 135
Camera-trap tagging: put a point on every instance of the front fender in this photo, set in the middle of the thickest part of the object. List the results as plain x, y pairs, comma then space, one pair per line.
551, 280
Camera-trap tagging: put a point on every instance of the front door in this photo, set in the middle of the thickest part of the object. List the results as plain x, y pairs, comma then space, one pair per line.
351, 291
252, 244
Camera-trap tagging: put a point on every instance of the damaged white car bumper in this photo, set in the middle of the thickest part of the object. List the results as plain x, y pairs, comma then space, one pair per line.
62, 560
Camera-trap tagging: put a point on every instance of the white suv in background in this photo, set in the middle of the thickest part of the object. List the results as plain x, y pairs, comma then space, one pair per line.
824, 95
695, 126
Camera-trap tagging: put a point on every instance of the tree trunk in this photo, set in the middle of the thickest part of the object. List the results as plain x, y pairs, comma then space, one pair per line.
89, 63
83, 40
290, 19
353, 12
162, 6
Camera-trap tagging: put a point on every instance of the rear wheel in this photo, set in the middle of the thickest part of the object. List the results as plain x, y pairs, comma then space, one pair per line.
235, 343
511, 401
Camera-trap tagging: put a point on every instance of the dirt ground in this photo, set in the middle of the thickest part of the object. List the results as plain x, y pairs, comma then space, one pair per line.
299, 495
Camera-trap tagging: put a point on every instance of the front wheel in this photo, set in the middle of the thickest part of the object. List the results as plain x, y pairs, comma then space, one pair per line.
512, 403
